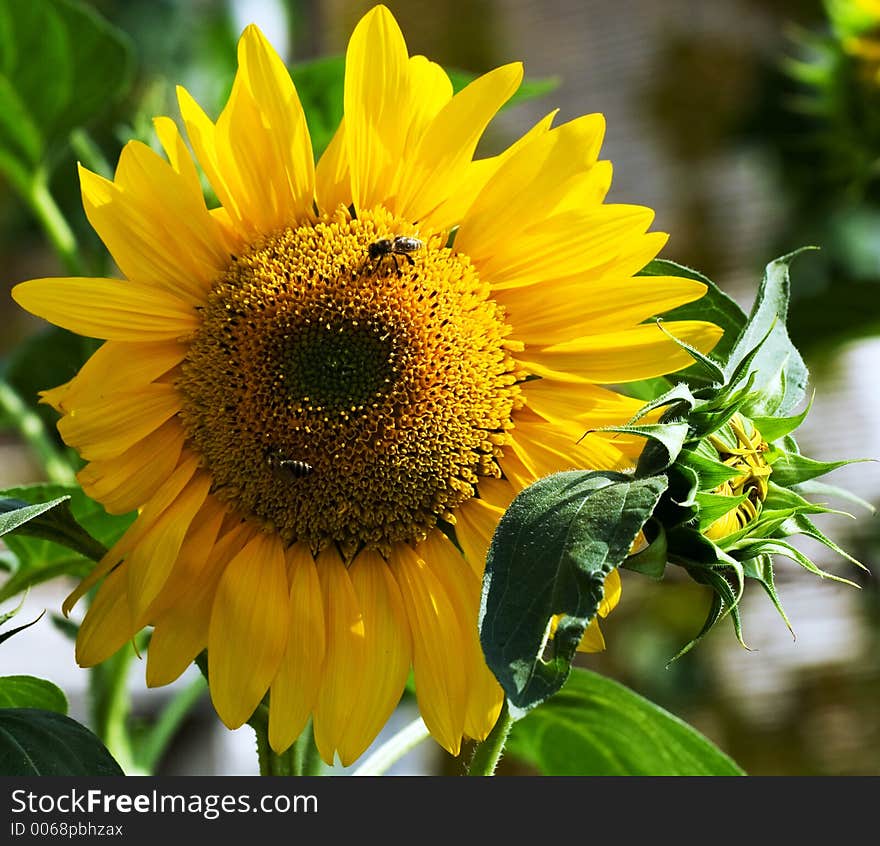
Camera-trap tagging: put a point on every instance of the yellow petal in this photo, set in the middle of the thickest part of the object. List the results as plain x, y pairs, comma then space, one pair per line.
558, 311
107, 624
588, 405
124, 483
248, 630
295, 689
387, 653
453, 210
377, 93
344, 657
155, 225
592, 641
108, 428
439, 163
181, 632
118, 366
178, 154
641, 352
164, 497
108, 308
536, 176
475, 523
611, 595
438, 650
332, 178
575, 244
462, 586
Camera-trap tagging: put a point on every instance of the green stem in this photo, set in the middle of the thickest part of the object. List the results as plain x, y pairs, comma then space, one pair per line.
34, 433
300, 759
394, 749
55, 225
488, 753
169, 721
111, 705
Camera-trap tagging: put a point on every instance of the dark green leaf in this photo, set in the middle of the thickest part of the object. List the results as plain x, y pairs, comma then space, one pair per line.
31, 692
4, 636
666, 439
651, 561
595, 726
63, 63
37, 743
550, 555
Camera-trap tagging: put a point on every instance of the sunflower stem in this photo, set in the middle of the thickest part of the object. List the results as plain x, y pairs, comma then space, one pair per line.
54, 224
111, 704
31, 428
307, 761
393, 749
488, 753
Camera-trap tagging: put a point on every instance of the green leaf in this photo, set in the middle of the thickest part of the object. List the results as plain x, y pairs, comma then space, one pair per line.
760, 568
551, 552
320, 84
781, 381
710, 471
52, 521
791, 468
4, 636
715, 506
61, 63
595, 726
36, 743
31, 692
40, 558
651, 561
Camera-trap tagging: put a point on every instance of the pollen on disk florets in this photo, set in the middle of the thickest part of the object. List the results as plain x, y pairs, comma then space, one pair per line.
337, 397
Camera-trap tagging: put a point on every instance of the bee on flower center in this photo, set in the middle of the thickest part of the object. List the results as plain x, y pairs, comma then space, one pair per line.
400, 245
288, 469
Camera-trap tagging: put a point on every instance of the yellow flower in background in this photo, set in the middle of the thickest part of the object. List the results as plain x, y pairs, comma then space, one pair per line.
321, 396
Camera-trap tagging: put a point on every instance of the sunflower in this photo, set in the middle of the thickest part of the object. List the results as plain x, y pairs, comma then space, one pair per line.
321, 395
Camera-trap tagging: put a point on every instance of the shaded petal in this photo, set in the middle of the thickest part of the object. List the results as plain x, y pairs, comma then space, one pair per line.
438, 648
344, 657
248, 629
462, 586
107, 624
108, 308
124, 483
332, 178
475, 523
295, 689
150, 563
181, 632
115, 367
108, 428
165, 496
387, 653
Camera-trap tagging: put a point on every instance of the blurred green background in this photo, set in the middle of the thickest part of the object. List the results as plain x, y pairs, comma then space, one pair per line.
714, 122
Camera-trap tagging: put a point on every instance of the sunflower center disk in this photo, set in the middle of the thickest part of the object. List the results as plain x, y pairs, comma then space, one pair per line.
336, 397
